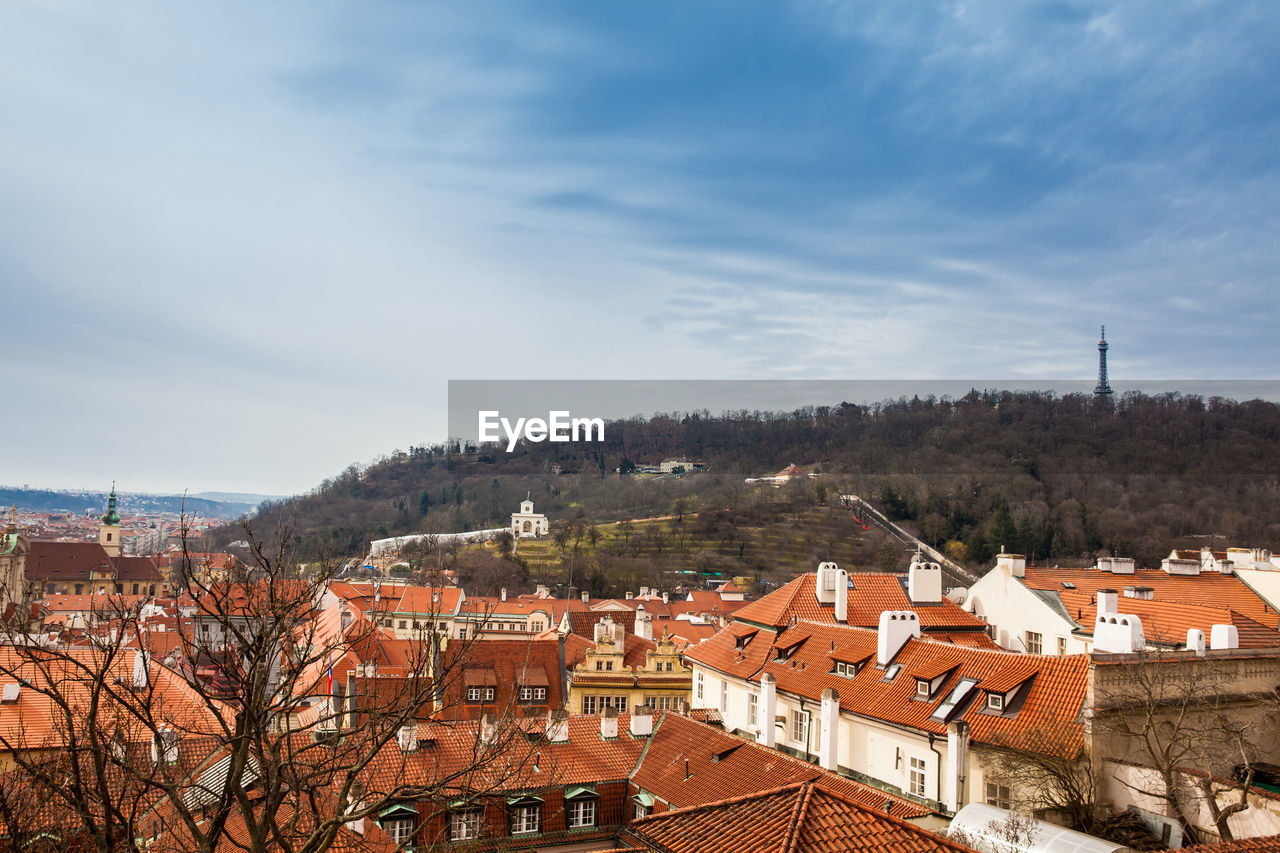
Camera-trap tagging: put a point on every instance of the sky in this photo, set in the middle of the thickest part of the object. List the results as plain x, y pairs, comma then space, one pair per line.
244, 245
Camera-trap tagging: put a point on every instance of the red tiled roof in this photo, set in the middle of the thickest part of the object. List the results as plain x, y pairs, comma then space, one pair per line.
504, 661
802, 817
583, 622
1048, 719
1179, 602
722, 766
872, 593
66, 560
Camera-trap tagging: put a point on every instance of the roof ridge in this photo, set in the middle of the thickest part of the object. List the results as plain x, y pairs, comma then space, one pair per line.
741, 798
798, 813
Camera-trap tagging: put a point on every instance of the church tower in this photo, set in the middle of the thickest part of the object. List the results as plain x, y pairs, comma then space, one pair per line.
14, 548
1102, 389
109, 530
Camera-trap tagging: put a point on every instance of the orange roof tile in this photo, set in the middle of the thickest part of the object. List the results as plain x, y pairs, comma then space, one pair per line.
803, 817
871, 594
1051, 708
1179, 603
722, 765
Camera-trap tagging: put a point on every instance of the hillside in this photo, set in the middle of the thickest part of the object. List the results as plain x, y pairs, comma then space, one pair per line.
1056, 477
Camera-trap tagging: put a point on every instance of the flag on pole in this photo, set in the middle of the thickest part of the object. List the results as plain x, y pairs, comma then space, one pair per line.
329, 685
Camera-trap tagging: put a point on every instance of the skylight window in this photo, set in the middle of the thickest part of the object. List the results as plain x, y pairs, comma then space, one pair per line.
1068, 585
957, 695
892, 671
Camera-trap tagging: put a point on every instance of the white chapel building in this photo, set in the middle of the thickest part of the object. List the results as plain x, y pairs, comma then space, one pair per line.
526, 522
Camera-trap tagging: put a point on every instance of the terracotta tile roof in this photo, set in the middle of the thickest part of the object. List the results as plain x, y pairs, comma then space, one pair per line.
521, 760
972, 639
803, 817
34, 719
1047, 719
66, 560
504, 661
722, 766
871, 594
691, 633
1179, 602
583, 622
706, 602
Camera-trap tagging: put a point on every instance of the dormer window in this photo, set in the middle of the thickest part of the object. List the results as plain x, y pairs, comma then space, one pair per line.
922, 688
848, 670
995, 702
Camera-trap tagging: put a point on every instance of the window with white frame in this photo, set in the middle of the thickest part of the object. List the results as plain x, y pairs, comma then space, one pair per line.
916, 785
464, 825
526, 818
582, 812
999, 796
533, 694
1062, 646
642, 810
753, 707
400, 829
724, 696
698, 686
995, 702
589, 704
800, 726
1034, 642
481, 694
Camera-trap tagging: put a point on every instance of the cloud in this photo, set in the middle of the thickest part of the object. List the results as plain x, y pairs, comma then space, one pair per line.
312, 217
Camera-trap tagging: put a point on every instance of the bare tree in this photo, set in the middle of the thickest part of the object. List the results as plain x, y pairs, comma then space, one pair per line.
1046, 769
1187, 720
239, 731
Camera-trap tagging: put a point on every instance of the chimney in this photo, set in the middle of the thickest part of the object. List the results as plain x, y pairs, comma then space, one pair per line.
896, 627
644, 590
769, 708
609, 723
408, 738
842, 596
1108, 599
1118, 634
603, 629
924, 582
543, 591
828, 750
825, 588
641, 721
489, 729
666, 598
503, 594
1143, 593
644, 624
957, 762
1116, 565
1014, 564
1178, 566
557, 726
630, 595
586, 597
1224, 637
141, 672
1195, 641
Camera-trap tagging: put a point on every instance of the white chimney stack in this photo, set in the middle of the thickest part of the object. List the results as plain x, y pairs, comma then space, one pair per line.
503, 594
826, 583
1224, 637
1116, 565
641, 721
1118, 633
896, 627
586, 597
557, 726
924, 582
1015, 564
842, 596
408, 737
1108, 600
957, 762
769, 708
644, 624
609, 723
141, 672
1195, 641
828, 749
489, 729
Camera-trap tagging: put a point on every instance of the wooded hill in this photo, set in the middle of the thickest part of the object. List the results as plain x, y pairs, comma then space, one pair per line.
1054, 477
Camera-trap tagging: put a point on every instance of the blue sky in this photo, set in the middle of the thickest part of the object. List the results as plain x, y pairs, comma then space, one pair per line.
252, 242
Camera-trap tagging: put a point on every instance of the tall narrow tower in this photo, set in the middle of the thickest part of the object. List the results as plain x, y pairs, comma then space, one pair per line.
1102, 389
109, 529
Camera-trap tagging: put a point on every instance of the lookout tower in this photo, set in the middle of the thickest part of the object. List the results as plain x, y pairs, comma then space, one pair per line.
1102, 389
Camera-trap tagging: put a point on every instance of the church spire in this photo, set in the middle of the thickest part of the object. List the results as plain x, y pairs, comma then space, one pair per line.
113, 513
1103, 389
